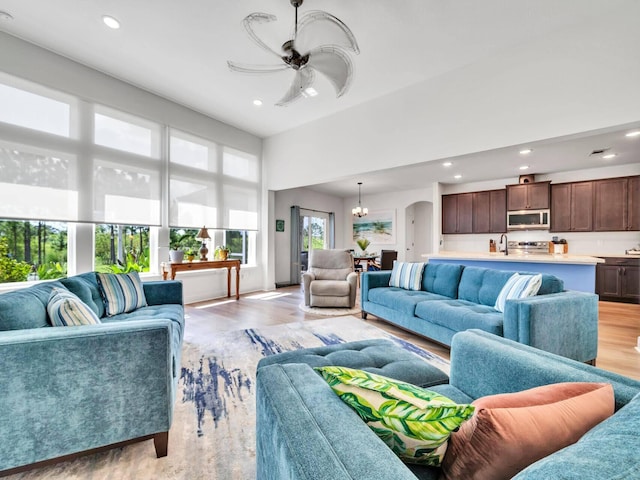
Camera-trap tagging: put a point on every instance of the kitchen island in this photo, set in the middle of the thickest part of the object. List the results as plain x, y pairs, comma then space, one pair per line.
577, 271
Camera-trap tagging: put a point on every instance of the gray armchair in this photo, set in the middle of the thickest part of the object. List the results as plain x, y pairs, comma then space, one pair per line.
330, 280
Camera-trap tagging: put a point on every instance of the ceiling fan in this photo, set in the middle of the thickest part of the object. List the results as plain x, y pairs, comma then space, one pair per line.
319, 43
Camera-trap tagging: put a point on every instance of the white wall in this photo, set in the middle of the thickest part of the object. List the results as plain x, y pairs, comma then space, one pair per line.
307, 199
397, 201
576, 80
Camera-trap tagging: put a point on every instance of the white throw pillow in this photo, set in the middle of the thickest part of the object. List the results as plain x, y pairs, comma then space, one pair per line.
406, 275
518, 286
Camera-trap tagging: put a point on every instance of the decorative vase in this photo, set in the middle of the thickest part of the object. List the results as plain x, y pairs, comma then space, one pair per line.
190, 258
176, 256
224, 254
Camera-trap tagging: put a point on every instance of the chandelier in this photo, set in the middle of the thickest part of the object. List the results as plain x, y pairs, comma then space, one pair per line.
359, 211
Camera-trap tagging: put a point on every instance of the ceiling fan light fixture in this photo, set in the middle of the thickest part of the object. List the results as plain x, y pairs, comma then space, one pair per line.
111, 22
309, 92
320, 43
359, 211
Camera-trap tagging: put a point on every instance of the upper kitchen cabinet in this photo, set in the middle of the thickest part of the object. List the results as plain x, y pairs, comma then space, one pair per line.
634, 203
617, 205
490, 211
457, 213
528, 196
572, 207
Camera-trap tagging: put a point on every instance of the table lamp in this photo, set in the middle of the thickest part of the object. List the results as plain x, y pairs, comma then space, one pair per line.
203, 235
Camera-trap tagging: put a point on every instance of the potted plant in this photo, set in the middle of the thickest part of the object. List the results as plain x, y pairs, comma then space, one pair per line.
190, 254
221, 252
363, 243
175, 254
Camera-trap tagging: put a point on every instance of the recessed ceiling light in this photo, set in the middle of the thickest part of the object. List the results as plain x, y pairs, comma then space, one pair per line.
609, 156
635, 133
447, 164
257, 102
525, 151
111, 22
6, 17
524, 167
457, 177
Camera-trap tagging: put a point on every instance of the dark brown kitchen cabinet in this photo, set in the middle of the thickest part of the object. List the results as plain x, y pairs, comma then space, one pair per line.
457, 213
572, 207
611, 208
528, 196
490, 211
634, 203
618, 279
617, 204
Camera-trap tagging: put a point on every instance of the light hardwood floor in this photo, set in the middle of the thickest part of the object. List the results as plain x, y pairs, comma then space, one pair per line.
619, 324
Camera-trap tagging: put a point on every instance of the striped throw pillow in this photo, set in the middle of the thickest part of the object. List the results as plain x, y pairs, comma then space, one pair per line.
66, 309
518, 286
121, 292
407, 275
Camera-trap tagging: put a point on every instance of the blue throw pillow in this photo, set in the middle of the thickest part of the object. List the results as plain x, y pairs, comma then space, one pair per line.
121, 293
66, 309
518, 286
406, 275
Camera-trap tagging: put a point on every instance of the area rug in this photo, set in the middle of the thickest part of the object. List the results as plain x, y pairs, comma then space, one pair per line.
213, 432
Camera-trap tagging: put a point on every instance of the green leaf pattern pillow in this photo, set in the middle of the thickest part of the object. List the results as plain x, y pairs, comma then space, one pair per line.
415, 423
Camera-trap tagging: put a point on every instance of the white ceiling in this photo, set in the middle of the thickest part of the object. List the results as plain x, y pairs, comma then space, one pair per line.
179, 50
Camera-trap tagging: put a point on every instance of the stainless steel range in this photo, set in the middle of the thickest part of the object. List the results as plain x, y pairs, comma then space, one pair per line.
520, 248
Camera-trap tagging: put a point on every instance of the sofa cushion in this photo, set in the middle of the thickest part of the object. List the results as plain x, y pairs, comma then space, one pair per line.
121, 293
460, 315
415, 423
27, 307
402, 300
606, 452
518, 286
442, 279
511, 431
332, 288
406, 275
85, 286
482, 285
66, 309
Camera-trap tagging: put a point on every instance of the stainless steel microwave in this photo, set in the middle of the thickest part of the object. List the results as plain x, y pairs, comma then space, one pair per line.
528, 219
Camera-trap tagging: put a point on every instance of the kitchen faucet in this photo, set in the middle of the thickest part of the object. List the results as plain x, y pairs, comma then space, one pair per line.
506, 248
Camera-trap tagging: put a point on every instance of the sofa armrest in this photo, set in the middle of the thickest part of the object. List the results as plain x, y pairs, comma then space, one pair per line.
305, 432
160, 292
564, 323
307, 278
70, 389
486, 364
371, 280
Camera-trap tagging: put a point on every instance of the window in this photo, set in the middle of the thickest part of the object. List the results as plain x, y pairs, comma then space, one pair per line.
121, 248
125, 132
32, 250
25, 108
66, 159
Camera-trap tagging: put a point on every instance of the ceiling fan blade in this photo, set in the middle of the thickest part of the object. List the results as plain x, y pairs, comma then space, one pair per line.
303, 80
245, 68
318, 28
256, 18
335, 64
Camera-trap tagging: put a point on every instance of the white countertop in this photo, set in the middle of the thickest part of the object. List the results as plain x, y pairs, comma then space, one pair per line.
530, 258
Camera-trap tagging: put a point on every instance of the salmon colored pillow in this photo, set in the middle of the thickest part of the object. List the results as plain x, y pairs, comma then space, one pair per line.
510, 431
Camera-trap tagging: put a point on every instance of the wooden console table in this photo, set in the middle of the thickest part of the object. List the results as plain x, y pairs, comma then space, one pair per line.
174, 268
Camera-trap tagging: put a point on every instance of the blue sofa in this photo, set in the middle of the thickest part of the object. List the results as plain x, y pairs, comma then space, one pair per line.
73, 389
455, 298
305, 432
